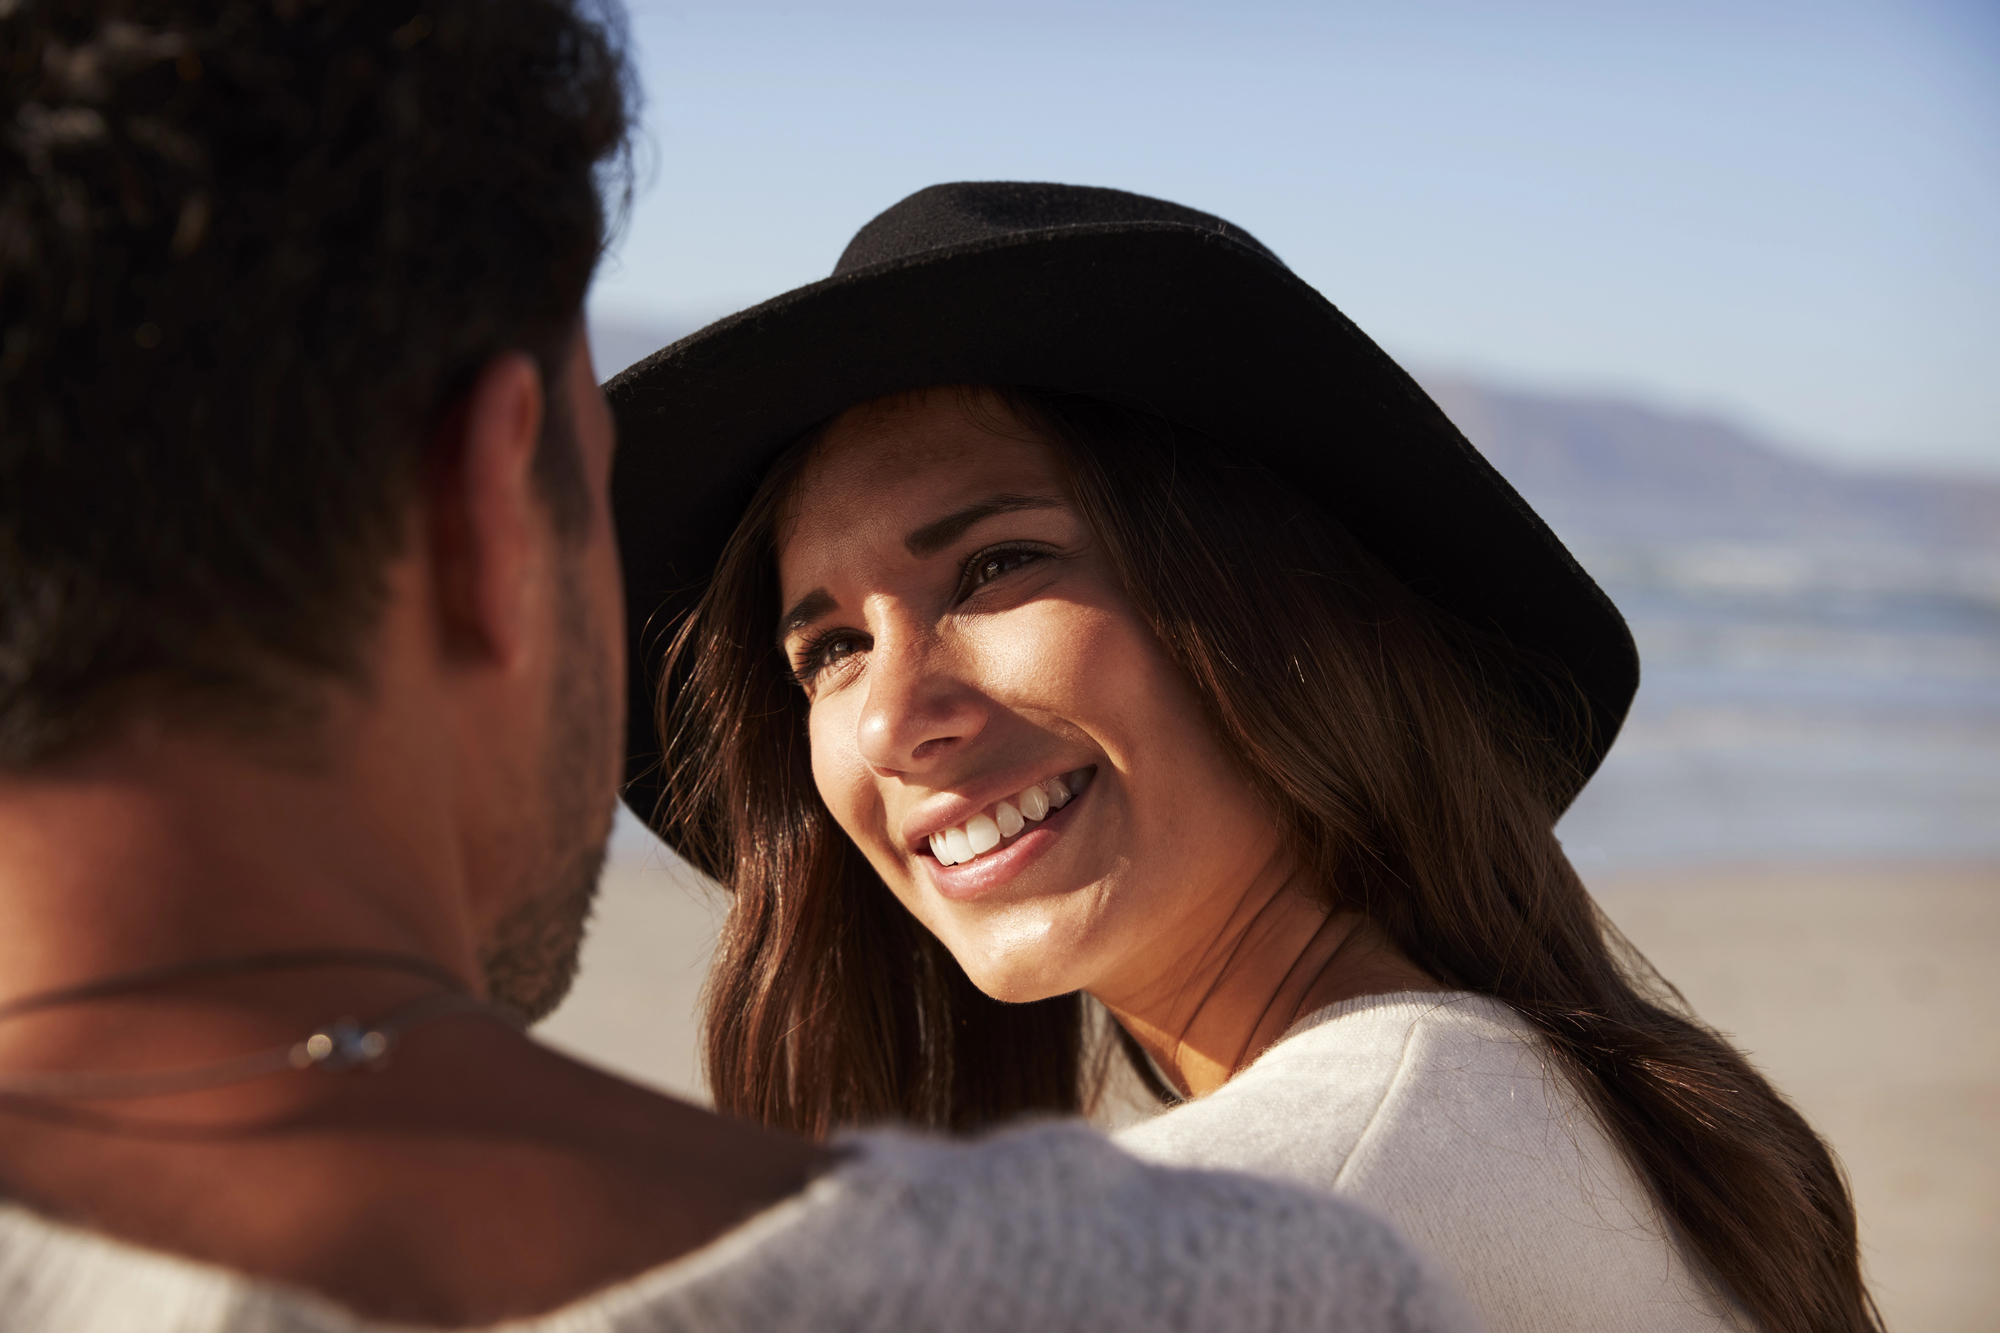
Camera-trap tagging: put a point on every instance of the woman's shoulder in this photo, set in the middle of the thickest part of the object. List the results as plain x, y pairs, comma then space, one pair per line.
1414, 1101
1367, 1021
1449, 1114
1304, 1105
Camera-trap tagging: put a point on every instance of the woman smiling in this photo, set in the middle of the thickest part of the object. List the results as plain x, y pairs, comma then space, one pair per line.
1213, 678
971, 661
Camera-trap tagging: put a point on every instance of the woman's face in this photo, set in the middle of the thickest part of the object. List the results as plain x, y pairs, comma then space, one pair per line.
966, 646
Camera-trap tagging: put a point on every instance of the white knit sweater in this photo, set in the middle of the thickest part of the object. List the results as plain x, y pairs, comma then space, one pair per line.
1042, 1229
1443, 1113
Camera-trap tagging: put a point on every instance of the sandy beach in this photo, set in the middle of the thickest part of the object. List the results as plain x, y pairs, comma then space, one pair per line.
1865, 991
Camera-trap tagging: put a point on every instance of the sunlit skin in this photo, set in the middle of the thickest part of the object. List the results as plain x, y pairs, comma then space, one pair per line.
961, 635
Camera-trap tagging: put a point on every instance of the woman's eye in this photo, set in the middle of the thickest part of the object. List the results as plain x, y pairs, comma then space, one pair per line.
991, 565
828, 650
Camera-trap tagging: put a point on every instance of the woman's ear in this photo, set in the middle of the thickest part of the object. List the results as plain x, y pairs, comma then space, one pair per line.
489, 531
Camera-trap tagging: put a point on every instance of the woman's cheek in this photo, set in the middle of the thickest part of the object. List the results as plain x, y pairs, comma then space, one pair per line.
843, 780
1057, 657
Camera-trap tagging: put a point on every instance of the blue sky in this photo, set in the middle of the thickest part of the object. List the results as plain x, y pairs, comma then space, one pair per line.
1788, 213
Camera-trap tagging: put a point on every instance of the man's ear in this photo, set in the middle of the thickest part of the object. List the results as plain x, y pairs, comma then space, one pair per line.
488, 530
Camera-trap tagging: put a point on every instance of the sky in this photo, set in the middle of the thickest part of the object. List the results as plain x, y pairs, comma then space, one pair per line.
1783, 213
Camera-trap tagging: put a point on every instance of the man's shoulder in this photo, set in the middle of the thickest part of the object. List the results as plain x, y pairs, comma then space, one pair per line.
54, 1276
1052, 1226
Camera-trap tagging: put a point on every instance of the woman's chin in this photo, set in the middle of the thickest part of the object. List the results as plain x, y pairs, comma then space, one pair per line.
1018, 964
1020, 990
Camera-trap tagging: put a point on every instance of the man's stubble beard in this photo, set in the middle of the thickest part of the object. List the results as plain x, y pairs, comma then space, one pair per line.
531, 959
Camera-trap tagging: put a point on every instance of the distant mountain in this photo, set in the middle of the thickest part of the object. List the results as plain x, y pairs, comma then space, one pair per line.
1601, 470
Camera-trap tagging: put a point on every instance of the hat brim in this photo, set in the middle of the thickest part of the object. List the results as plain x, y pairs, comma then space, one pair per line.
1207, 332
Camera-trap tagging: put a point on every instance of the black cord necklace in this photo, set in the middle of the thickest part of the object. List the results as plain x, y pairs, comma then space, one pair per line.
336, 1047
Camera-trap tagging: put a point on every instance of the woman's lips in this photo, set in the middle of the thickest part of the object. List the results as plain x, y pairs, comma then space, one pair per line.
1005, 854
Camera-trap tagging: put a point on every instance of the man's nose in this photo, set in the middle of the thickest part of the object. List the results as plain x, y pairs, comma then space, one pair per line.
920, 708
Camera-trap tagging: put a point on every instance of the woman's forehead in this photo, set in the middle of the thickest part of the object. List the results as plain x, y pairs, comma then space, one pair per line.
890, 459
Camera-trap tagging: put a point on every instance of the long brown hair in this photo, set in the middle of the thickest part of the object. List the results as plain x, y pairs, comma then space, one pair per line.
1388, 740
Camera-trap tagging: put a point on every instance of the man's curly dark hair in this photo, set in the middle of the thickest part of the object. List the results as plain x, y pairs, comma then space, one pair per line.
250, 256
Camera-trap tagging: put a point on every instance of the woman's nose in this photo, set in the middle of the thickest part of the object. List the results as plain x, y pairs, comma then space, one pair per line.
918, 710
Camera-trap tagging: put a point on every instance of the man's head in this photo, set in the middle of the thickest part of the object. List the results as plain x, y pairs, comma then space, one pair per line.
272, 277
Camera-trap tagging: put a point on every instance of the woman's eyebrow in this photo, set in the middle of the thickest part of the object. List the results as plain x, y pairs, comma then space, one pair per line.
925, 541
934, 537
806, 610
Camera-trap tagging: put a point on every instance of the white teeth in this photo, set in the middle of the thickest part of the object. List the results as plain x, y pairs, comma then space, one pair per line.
982, 833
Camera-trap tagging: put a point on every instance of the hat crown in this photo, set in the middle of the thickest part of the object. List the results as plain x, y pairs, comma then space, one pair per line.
968, 212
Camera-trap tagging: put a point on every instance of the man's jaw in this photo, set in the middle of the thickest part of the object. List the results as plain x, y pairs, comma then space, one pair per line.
531, 961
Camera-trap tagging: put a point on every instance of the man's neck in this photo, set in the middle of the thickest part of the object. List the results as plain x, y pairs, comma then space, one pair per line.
167, 847
1239, 984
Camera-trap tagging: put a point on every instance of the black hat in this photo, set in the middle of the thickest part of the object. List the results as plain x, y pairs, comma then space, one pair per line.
1099, 292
